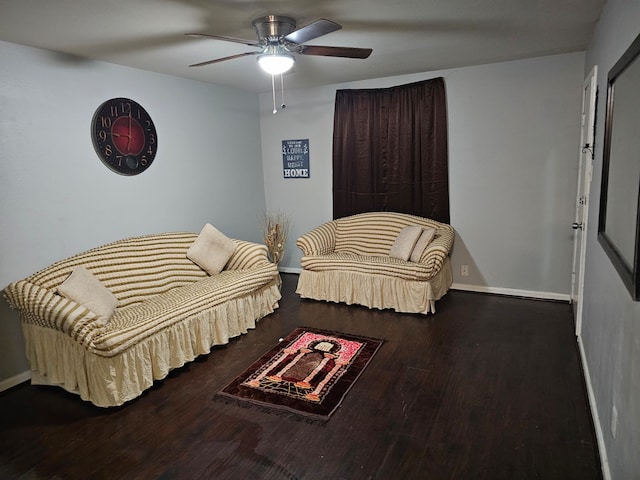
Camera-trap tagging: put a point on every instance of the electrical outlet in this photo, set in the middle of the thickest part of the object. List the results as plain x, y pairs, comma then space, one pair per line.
614, 421
464, 270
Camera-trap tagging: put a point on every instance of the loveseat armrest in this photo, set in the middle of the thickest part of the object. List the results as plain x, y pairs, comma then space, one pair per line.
45, 308
247, 255
438, 250
319, 241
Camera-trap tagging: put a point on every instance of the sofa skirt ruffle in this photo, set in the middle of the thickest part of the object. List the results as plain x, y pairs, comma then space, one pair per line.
376, 291
58, 360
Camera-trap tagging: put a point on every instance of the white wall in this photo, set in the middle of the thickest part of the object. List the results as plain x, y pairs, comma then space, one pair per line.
57, 198
514, 130
611, 320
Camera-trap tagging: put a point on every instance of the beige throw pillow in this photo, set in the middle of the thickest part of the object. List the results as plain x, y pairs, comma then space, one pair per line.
423, 242
211, 250
405, 241
84, 288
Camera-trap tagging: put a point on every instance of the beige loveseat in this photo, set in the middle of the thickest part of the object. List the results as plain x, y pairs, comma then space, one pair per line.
168, 311
379, 260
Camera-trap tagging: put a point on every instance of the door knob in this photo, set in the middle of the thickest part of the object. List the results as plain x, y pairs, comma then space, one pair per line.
577, 226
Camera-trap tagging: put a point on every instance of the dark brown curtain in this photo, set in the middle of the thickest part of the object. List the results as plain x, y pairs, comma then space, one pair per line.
390, 151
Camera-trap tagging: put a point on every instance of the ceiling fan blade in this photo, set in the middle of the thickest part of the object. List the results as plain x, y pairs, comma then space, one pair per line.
313, 30
209, 62
347, 52
251, 43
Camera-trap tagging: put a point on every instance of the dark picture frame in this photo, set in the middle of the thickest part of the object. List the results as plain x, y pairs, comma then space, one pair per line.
619, 217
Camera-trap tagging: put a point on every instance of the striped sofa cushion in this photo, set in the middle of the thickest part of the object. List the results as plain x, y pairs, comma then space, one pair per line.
374, 233
131, 325
369, 265
134, 268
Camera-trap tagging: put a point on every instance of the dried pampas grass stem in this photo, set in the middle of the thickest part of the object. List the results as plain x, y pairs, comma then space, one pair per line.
275, 231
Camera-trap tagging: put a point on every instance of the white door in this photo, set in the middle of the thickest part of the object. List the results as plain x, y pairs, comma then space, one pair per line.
589, 94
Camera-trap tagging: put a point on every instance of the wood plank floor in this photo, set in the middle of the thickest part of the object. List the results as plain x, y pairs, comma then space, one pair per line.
490, 387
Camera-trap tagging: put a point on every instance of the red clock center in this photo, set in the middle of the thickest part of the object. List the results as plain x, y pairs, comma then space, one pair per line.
128, 136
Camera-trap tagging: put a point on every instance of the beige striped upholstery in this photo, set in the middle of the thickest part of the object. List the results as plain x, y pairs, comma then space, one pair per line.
365, 239
160, 293
135, 270
372, 233
131, 324
340, 258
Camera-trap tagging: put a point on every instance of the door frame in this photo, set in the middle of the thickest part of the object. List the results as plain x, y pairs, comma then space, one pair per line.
585, 171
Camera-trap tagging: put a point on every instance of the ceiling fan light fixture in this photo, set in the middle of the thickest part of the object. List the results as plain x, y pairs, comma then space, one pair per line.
275, 63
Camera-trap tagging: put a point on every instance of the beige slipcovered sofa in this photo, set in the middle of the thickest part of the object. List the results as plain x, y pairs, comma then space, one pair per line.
379, 260
167, 311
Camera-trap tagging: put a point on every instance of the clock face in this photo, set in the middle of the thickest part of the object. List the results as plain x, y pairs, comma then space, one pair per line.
124, 136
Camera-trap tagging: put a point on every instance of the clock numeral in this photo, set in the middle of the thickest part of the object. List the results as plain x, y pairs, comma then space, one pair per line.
143, 161
102, 135
150, 150
148, 125
125, 108
108, 151
105, 122
152, 138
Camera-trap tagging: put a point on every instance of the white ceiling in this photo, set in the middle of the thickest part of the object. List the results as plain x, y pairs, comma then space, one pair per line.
407, 36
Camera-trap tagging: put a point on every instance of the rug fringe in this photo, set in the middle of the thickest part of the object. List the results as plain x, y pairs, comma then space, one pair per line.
298, 417
345, 334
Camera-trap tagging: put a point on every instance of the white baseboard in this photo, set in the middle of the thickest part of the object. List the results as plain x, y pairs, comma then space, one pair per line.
604, 459
512, 292
15, 380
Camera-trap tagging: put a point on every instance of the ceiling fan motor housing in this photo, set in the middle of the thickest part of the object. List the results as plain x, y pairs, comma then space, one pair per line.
273, 27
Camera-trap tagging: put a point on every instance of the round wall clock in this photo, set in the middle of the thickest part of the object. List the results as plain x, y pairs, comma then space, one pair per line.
124, 136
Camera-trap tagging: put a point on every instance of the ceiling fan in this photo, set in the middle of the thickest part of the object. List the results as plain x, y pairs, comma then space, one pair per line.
278, 41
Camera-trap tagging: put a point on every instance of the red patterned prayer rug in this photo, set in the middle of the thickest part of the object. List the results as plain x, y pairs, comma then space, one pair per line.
308, 373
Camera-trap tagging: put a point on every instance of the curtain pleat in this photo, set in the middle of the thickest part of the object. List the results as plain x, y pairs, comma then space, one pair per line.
390, 151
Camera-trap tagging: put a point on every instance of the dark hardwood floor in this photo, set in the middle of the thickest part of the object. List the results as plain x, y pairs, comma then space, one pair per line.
489, 387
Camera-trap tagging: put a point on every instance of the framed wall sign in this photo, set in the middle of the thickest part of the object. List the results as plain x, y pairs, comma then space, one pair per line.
295, 158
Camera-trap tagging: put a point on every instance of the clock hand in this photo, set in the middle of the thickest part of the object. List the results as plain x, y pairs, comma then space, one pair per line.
129, 136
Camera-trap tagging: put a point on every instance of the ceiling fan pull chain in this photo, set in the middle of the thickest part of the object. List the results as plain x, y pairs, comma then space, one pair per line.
282, 90
273, 91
